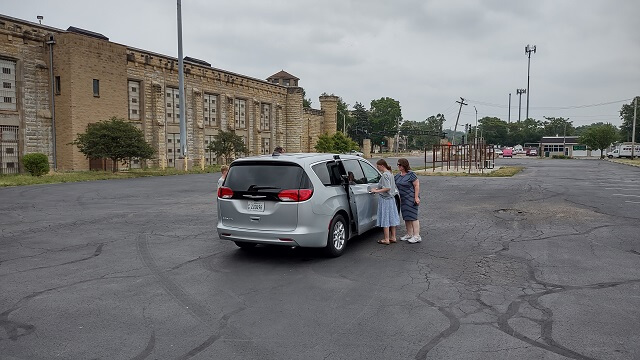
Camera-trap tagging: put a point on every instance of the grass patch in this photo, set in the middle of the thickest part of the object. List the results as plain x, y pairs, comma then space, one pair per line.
504, 171
635, 162
76, 176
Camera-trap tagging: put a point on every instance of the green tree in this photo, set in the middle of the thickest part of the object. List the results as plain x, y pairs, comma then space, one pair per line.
336, 143
385, 114
115, 139
626, 114
306, 103
227, 144
345, 120
493, 130
582, 128
599, 137
361, 126
554, 126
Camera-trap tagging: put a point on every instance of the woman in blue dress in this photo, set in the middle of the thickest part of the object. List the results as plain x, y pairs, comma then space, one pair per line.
409, 188
388, 217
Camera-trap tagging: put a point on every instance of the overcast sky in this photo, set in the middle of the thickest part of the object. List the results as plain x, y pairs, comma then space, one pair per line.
425, 54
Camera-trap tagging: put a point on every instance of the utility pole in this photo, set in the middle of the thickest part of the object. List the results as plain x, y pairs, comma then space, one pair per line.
520, 92
461, 102
633, 129
509, 108
475, 137
397, 134
183, 120
344, 124
528, 50
564, 140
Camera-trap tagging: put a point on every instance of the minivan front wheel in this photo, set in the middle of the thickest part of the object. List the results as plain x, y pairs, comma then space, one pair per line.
337, 238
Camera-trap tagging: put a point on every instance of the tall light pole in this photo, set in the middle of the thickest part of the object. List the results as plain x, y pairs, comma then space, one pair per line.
183, 120
509, 108
633, 129
528, 50
344, 124
520, 92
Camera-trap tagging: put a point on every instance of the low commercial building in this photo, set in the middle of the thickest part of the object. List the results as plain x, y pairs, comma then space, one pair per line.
563, 145
55, 82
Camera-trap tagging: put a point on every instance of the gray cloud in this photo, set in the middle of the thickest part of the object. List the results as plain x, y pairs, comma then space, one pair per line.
426, 54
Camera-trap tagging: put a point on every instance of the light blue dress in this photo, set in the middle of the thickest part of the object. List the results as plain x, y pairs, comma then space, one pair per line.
387, 210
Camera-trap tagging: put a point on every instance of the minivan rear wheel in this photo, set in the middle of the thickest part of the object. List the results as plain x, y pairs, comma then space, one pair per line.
337, 239
245, 245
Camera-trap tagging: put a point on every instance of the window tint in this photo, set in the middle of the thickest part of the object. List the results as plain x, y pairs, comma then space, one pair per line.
266, 177
328, 173
354, 172
372, 175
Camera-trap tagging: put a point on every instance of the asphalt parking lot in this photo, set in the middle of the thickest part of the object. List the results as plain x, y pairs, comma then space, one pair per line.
544, 265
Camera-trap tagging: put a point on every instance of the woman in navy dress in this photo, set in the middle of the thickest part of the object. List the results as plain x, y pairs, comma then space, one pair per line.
409, 187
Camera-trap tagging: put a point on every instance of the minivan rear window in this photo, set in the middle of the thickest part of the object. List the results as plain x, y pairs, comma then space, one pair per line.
267, 177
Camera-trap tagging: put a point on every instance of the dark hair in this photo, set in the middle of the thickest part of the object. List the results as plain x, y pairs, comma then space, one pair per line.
383, 163
279, 149
404, 163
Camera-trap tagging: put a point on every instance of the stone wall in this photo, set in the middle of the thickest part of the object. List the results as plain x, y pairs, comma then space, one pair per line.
25, 44
79, 59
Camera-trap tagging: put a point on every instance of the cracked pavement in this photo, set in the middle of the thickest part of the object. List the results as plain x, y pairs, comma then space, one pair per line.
544, 265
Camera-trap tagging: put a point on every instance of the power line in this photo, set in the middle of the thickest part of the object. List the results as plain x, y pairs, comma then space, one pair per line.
550, 107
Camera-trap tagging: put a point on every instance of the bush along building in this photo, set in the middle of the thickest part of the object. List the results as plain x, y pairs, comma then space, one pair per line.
56, 82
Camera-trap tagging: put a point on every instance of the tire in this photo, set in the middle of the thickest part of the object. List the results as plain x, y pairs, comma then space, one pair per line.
337, 238
610, 156
245, 245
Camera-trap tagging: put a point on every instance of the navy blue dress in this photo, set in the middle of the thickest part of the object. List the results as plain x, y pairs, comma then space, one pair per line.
407, 195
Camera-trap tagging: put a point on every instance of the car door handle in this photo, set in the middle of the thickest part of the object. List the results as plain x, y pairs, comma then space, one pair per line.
255, 218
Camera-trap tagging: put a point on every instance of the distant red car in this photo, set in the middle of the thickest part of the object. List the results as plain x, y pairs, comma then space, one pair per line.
507, 153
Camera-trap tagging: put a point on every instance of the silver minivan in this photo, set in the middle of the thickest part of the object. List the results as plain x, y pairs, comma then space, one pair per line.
305, 200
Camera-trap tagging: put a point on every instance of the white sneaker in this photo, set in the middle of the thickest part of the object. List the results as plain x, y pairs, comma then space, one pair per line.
415, 239
406, 237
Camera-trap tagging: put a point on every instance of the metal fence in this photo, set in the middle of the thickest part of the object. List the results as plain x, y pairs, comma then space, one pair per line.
9, 150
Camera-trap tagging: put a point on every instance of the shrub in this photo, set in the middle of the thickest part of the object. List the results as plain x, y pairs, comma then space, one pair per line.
36, 164
561, 157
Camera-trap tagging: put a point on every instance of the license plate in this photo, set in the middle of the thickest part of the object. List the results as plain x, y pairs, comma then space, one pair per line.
255, 206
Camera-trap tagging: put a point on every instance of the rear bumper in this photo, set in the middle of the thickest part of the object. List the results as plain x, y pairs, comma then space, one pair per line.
303, 237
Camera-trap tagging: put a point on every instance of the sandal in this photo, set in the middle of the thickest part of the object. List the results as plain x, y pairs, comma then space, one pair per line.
383, 242
392, 241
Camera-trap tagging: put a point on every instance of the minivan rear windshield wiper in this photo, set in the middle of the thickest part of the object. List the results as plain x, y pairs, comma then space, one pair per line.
258, 187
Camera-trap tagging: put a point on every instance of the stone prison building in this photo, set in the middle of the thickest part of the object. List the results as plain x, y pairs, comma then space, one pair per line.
55, 82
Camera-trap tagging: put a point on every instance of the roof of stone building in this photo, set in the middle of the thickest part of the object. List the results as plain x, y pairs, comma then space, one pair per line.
283, 75
94, 34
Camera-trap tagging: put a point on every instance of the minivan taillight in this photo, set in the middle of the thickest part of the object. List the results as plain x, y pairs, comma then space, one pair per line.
295, 195
225, 192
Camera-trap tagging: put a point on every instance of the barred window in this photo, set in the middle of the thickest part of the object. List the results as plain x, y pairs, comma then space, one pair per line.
173, 104
210, 110
240, 113
8, 90
134, 100
265, 117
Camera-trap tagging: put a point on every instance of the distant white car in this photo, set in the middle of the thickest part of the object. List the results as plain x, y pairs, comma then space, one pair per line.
498, 151
356, 153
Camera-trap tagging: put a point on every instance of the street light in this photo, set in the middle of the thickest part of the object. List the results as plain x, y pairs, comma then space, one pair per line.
528, 50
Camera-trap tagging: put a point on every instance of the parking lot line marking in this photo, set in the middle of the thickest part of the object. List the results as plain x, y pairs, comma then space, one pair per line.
633, 202
626, 195
617, 188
